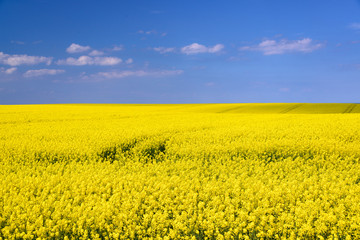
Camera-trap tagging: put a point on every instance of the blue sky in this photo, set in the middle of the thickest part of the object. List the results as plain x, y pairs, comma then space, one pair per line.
84, 51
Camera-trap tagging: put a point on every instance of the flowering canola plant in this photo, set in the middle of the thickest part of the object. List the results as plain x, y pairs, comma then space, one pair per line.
215, 171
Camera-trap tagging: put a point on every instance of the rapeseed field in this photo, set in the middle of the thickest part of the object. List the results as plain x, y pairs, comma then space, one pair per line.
192, 171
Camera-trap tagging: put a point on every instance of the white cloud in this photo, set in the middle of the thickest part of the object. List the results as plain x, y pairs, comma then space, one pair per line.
152, 32
10, 70
16, 60
355, 26
96, 53
196, 48
118, 48
138, 73
147, 32
86, 60
18, 42
106, 61
272, 47
81, 61
163, 50
76, 48
216, 48
41, 72
129, 61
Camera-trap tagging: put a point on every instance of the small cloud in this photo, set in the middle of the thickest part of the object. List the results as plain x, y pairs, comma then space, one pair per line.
81, 61
196, 48
273, 47
41, 72
129, 61
106, 61
10, 70
152, 32
86, 60
355, 26
139, 73
18, 42
118, 48
16, 60
96, 53
76, 48
163, 50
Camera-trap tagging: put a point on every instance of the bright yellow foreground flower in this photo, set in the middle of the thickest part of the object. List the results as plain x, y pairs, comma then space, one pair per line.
216, 171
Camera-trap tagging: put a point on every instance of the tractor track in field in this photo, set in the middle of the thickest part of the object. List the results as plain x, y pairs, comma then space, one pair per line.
230, 109
291, 108
350, 108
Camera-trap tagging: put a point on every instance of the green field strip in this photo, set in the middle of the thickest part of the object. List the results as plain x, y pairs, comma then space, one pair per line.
220, 108
266, 108
356, 109
320, 108
231, 109
284, 108
287, 110
350, 108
